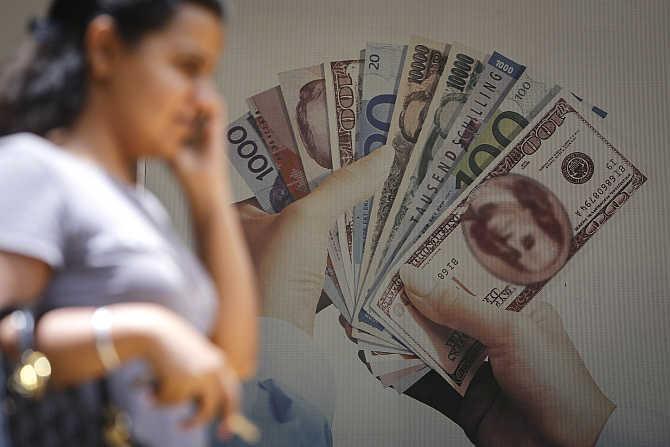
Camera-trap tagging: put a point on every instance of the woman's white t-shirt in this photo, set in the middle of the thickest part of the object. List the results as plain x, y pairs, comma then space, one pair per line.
107, 242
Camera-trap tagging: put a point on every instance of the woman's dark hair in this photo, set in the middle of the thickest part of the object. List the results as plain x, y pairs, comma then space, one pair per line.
46, 84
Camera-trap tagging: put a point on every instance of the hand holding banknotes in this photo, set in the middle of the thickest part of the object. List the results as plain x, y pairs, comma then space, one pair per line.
289, 249
546, 394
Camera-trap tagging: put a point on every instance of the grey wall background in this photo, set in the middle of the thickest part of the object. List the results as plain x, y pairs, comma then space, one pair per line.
614, 295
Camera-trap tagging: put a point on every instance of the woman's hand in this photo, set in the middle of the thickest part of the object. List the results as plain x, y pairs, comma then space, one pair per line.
289, 249
186, 365
189, 367
200, 165
545, 394
201, 169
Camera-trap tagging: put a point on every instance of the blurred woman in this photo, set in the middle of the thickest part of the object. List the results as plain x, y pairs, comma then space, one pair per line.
100, 85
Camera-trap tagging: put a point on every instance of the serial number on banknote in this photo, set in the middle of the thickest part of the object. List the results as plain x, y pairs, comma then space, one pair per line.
619, 170
444, 272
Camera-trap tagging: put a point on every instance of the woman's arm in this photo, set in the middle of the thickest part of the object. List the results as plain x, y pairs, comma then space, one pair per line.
221, 247
67, 338
202, 172
66, 335
22, 279
186, 366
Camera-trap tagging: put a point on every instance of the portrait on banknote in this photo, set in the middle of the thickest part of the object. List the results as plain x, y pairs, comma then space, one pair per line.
413, 114
315, 138
517, 229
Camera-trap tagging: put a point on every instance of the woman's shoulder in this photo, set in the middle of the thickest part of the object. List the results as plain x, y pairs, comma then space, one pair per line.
32, 156
31, 166
42, 165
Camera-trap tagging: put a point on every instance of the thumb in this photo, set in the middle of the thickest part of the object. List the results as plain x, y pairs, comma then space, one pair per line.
350, 185
445, 303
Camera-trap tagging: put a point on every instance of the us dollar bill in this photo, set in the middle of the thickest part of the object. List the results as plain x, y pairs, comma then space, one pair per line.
269, 113
528, 96
343, 101
512, 230
523, 101
461, 73
421, 72
304, 91
250, 157
380, 75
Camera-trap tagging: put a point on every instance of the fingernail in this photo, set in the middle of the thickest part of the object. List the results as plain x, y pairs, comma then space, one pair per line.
416, 281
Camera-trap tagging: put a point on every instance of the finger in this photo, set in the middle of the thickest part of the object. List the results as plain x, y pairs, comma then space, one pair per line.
249, 209
446, 304
224, 431
242, 427
230, 393
207, 400
210, 102
545, 316
212, 109
348, 186
230, 402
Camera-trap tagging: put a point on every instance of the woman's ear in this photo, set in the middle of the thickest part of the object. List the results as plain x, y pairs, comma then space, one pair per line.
103, 46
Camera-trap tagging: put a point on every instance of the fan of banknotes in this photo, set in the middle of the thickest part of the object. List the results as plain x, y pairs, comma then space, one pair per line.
499, 178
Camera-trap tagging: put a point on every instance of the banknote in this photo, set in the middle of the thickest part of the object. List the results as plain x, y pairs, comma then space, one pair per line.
387, 359
445, 150
461, 73
383, 348
405, 382
246, 151
394, 362
523, 101
513, 229
380, 75
338, 268
267, 109
250, 157
421, 72
369, 355
333, 289
364, 321
528, 96
376, 356
343, 104
361, 335
396, 377
304, 91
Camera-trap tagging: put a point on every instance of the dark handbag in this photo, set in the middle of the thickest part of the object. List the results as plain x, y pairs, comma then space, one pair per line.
81, 416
